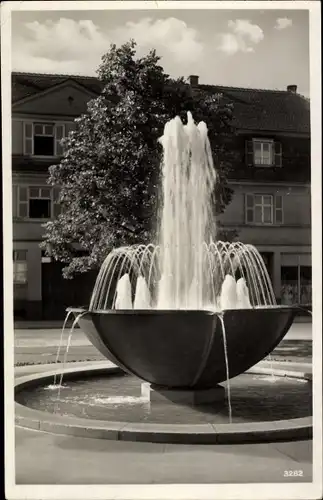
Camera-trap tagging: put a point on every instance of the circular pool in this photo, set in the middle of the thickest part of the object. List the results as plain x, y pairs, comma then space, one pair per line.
103, 402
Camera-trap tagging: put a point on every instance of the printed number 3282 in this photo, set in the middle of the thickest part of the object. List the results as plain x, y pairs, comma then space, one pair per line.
292, 473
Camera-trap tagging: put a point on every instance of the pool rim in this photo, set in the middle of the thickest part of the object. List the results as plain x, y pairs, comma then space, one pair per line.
239, 433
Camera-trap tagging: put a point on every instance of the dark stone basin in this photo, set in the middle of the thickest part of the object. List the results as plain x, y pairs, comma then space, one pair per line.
185, 349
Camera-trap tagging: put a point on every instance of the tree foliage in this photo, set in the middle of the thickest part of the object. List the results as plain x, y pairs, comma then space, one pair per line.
109, 174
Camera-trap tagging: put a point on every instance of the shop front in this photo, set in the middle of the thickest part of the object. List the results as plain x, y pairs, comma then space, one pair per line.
296, 279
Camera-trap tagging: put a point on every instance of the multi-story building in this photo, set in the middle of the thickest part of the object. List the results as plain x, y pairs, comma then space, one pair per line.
271, 206
43, 111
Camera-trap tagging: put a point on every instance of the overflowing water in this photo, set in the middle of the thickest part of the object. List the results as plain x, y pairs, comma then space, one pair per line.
61, 343
227, 366
61, 371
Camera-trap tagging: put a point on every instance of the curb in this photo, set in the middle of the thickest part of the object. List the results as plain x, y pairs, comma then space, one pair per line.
258, 432
281, 373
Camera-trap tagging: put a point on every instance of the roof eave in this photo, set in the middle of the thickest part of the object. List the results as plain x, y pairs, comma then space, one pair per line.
68, 81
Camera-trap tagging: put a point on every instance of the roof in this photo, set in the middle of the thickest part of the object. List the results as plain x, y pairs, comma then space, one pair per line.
266, 110
254, 109
29, 84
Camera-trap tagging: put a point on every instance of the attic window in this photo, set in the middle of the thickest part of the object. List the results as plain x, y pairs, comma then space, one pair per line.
218, 96
263, 153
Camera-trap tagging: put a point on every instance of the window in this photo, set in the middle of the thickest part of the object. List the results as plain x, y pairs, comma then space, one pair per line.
263, 153
20, 267
296, 282
305, 285
39, 203
36, 202
263, 209
43, 139
289, 285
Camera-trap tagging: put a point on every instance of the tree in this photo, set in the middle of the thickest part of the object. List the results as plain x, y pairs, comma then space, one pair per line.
109, 174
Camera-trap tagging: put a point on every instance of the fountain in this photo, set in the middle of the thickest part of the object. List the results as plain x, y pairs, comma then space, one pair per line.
185, 317
155, 309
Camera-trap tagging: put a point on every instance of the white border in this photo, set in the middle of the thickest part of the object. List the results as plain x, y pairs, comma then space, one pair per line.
222, 491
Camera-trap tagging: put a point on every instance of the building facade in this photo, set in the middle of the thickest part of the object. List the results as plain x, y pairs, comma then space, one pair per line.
44, 108
271, 206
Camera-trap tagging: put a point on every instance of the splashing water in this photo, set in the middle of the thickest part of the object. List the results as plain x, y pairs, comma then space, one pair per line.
123, 297
120, 400
142, 295
228, 296
243, 299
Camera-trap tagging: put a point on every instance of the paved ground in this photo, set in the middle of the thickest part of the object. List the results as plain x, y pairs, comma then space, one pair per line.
71, 460
40, 345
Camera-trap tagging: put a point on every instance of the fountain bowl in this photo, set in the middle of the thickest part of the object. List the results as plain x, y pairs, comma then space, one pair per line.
184, 349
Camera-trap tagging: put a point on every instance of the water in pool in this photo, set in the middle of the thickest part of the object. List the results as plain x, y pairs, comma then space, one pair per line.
254, 398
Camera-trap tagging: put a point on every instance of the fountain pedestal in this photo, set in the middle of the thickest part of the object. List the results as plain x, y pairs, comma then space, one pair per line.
185, 397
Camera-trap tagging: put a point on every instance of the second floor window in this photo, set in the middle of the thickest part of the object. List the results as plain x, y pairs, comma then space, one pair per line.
263, 209
37, 202
43, 139
263, 153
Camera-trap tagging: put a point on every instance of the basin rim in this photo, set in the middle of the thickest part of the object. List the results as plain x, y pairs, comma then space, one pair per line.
117, 312
240, 433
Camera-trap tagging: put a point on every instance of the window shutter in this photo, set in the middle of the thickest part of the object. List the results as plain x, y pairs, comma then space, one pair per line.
14, 200
56, 205
278, 154
249, 153
249, 208
23, 202
59, 135
28, 138
278, 209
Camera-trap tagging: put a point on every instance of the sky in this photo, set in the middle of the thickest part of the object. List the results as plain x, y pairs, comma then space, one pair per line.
241, 48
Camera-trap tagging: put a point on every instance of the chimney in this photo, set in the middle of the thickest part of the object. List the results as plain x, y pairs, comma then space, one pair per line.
193, 80
292, 88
